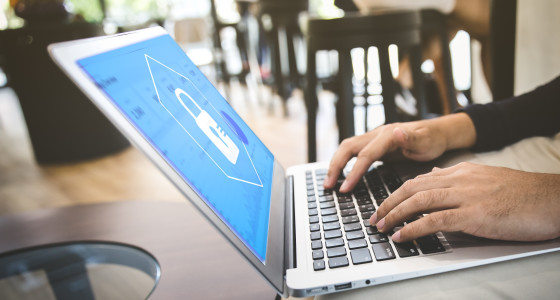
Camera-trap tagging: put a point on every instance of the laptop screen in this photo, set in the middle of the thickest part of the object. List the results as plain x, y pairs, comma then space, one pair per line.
164, 95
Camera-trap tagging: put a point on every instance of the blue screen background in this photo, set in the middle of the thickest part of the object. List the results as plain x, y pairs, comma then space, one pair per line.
142, 81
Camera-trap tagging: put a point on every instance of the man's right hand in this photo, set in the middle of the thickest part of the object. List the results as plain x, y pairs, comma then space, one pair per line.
421, 140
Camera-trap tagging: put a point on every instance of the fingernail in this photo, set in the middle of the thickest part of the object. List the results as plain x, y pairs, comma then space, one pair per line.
396, 237
380, 224
344, 185
373, 218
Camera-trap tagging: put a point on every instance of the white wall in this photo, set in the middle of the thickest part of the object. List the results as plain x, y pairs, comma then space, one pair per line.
537, 58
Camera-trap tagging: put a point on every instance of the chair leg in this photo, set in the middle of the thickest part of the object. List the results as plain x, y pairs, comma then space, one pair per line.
312, 103
366, 85
291, 58
277, 61
388, 85
418, 80
448, 72
345, 104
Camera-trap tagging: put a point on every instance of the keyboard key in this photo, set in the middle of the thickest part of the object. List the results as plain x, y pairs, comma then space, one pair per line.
313, 220
378, 238
366, 207
371, 230
430, 244
316, 235
334, 252
373, 178
366, 223
379, 197
328, 211
312, 205
338, 262
319, 172
313, 212
355, 244
331, 226
346, 205
314, 227
361, 192
406, 249
352, 235
331, 218
318, 254
311, 199
319, 265
350, 219
360, 256
327, 204
364, 201
366, 215
324, 193
392, 180
344, 199
383, 251
330, 243
315, 245
326, 198
348, 212
331, 234
352, 226
311, 193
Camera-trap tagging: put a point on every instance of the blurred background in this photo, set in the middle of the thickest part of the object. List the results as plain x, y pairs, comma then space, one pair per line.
303, 74
257, 53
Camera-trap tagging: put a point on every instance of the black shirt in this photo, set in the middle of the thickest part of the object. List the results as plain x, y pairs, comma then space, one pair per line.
505, 122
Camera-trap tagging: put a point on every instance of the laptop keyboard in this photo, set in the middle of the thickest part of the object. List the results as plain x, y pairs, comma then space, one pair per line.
339, 228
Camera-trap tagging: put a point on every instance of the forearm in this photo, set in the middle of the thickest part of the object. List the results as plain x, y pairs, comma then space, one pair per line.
505, 122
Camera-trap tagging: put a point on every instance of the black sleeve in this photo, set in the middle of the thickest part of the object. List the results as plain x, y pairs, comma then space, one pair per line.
505, 122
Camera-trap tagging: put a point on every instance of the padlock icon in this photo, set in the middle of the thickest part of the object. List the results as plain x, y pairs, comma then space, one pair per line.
210, 128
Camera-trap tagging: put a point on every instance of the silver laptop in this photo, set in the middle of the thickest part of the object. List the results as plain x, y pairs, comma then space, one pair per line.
303, 239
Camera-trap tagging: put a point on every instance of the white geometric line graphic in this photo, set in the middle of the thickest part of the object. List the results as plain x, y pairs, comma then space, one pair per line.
208, 122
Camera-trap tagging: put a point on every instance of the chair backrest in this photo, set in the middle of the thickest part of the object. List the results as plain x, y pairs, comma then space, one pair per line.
63, 124
503, 15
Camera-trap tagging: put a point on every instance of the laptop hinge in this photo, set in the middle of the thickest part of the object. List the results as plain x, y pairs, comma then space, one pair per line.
289, 236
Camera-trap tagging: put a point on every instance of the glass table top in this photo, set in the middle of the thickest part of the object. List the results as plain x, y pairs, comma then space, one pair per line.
86, 270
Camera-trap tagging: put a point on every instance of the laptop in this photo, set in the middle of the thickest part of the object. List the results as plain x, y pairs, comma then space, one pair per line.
304, 240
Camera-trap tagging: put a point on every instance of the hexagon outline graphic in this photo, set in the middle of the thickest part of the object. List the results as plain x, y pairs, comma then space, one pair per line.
259, 184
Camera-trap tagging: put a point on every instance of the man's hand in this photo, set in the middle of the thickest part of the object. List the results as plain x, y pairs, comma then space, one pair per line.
489, 202
422, 141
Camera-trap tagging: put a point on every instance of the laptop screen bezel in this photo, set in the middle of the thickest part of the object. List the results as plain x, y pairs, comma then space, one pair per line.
67, 54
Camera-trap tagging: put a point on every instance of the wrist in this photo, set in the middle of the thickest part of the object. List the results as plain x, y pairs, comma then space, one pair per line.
458, 130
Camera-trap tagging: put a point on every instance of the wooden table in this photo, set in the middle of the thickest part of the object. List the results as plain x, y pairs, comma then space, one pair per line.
195, 261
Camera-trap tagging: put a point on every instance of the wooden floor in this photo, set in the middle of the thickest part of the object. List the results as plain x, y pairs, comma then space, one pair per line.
27, 186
